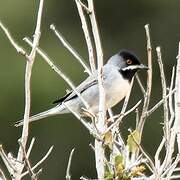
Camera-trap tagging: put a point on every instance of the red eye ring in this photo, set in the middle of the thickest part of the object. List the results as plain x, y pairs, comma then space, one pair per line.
129, 61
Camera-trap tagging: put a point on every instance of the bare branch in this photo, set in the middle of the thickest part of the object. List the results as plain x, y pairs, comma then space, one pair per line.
175, 177
85, 7
177, 100
28, 165
171, 108
140, 84
160, 147
30, 147
146, 155
40, 162
80, 5
37, 33
120, 116
160, 103
84, 178
164, 87
18, 48
28, 72
149, 82
68, 175
70, 48
7, 161
2, 175
137, 117
101, 125
171, 168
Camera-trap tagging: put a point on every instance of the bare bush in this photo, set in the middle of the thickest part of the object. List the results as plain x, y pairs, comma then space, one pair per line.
126, 160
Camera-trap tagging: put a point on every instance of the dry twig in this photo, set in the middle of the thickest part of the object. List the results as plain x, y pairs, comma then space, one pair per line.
68, 175
80, 7
70, 48
149, 82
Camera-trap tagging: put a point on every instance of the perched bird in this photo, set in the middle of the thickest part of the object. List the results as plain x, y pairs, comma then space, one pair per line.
117, 75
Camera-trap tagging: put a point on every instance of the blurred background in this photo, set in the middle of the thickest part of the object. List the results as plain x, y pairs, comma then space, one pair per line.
121, 24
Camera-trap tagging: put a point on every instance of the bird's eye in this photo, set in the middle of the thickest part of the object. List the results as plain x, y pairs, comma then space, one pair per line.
129, 61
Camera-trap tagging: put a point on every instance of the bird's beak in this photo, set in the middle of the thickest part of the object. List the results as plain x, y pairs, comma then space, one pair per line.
142, 66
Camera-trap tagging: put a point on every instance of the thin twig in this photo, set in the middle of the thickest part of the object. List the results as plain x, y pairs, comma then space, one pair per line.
120, 116
157, 154
2, 175
171, 144
70, 48
140, 84
171, 168
85, 7
137, 117
84, 178
164, 88
87, 36
171, 108
39, 162
18, 48
177, 169
30, 147
7, 162
111, 116
146, 155
169, 150
126, 100
149, 82
175, 177
28, 165
157, 105
68, 175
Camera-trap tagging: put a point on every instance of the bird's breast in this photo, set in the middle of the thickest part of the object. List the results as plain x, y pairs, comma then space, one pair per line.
116, 89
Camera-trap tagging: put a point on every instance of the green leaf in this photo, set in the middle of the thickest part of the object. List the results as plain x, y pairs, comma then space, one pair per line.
118, 160
108, 139
133, 141
108, 175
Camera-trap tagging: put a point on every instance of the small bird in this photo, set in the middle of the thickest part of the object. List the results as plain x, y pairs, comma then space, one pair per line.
117, 75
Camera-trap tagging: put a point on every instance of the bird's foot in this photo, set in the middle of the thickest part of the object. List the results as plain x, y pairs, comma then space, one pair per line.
86, 112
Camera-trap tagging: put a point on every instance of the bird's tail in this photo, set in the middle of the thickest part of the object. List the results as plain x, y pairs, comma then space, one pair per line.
51, 112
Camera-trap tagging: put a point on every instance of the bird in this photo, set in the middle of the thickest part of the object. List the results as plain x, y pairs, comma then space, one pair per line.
117, 75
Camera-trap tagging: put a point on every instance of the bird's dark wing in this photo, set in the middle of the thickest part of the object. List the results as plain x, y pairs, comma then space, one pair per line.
62, 98
90, 81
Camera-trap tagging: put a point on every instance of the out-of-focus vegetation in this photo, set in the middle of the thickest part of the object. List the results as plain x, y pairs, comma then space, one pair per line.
121, 25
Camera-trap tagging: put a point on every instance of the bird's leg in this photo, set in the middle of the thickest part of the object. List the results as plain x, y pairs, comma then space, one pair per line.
93, 117
87, 113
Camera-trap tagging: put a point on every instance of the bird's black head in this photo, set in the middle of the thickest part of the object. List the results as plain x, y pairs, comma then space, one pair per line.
128, 63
